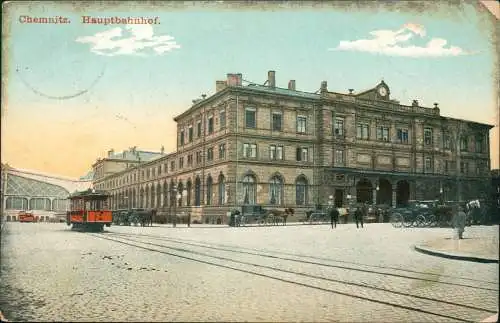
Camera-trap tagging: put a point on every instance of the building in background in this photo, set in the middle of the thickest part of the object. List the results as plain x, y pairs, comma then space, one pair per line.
44, 194
277, 147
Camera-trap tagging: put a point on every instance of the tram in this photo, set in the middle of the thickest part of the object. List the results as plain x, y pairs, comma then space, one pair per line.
89, 211
26, 216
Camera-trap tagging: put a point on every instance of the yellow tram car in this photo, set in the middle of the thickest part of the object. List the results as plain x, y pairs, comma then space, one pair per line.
89, 211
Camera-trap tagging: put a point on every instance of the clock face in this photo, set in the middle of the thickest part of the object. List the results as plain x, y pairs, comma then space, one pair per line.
382, 91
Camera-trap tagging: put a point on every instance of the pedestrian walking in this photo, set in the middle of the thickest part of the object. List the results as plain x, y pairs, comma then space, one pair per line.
334, 216
358, 216
459, 221
189, 219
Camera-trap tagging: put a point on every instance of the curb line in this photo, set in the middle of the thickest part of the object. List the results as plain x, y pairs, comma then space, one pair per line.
443, 254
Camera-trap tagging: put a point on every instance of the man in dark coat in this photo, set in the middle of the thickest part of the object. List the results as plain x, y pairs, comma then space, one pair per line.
358, 216
334, 216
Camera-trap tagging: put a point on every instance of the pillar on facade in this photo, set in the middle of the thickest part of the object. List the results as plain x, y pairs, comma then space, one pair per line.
374, 196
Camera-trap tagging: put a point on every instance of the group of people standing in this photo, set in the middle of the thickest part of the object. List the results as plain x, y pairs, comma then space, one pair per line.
359, 214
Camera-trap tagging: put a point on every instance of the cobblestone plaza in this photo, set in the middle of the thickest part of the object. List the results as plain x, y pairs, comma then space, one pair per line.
204, 273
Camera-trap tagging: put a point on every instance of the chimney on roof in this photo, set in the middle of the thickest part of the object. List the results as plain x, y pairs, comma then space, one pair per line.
351, 91
234, 79
414, 103
324, 86
271, 79
291, 85
436, 105
203, 96
111, 152
220, 85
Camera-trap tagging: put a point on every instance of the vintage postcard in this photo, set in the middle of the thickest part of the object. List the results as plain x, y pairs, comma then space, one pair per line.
263, 161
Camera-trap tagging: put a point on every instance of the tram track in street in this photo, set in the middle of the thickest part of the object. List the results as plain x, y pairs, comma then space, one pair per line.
318, 282
276, 255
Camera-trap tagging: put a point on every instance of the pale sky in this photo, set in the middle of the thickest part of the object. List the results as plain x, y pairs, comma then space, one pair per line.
73, 91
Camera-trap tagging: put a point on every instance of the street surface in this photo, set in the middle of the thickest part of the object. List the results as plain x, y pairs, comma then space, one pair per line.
203, 273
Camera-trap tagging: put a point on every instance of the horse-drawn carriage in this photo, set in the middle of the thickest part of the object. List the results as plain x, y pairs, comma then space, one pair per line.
262, 216
422, 214
317, 215
135, 216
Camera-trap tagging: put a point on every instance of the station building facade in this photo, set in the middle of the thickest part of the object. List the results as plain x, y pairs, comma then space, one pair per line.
46, 195
279, 147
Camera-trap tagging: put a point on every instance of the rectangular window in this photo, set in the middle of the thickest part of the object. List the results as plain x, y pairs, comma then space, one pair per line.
301, 124
222, 119
181, 162
210, 125
428, 164
427, 136
190, 160
250, 118
275, 152
222, 151
190, 134
182, 138
210, 154
198, 129
464, 144
446, 166
338, 127
363, 131
479, 144
276, 121
339, 157
402, 135
446, 141
383, 133
302, 154
198, 157
250, 150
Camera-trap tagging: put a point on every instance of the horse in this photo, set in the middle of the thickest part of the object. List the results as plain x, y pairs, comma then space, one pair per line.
276, 214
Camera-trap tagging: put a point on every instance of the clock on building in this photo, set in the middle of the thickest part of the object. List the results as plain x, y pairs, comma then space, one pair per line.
382, 91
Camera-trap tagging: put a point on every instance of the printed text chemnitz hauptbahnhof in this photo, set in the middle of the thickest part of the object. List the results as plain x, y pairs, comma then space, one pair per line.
24, 19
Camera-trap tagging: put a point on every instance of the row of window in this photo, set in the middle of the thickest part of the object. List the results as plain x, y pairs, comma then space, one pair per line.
198, 157
450, 166
161, 198
276, 152
276, 190
154, 171
276, 121
209, 128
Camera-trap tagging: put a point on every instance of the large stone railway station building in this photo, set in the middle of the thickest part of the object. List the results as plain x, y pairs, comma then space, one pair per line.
280, 147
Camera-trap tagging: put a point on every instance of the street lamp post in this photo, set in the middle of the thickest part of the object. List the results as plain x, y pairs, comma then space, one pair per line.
174, 219
179, 197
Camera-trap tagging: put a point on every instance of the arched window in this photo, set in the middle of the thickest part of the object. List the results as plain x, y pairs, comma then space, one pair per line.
301, 191
222, 190
153, 196
276, 190
180, 188
165, 194
209, 190
141, 198
158, 195
249, 190
197, 192
189, 186
146, 197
